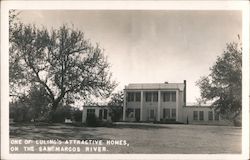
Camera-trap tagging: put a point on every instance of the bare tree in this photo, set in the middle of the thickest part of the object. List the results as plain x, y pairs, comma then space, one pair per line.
61, 60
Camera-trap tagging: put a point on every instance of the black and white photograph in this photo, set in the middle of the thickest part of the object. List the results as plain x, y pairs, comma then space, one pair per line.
127, 81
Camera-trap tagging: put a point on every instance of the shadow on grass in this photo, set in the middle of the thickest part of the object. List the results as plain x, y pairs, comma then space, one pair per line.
55, 131
36, 131
45, 135
139, 126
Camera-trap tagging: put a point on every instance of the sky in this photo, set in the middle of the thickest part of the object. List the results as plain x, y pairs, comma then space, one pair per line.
151, 46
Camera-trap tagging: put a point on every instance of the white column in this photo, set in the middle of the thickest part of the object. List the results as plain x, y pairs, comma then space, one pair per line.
124, 105
177, 105
83, 115
141, 107
159, 106
213, 114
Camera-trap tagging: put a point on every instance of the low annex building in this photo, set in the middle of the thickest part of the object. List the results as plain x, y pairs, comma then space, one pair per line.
202, 114
101, 112
163, 102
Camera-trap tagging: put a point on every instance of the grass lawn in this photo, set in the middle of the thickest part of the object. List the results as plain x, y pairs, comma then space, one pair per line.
143, 138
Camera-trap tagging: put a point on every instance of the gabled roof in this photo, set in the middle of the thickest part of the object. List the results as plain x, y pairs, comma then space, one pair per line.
155, 86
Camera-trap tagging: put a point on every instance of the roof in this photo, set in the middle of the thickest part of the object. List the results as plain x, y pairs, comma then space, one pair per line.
95, 106
197, 105
158, 86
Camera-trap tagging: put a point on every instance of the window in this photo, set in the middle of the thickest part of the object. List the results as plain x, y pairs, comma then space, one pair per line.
173, 113
166, 96
152, 114
155, 96
173, 95
201, 115
148, 96
210, 115
130, 113
130, 96
105, 114
195, 115
137, 96
90, 112
134, 96
216, 116
100, 114
166, 113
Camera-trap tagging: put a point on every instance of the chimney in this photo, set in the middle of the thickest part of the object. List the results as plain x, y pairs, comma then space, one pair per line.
185, 93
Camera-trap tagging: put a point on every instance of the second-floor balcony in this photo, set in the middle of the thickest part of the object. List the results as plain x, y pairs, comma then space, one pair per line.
151, 97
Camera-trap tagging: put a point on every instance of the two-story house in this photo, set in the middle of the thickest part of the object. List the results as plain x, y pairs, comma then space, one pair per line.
164, 102
154, 101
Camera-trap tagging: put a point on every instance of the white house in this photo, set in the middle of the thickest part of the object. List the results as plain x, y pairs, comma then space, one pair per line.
101, 112
163, 102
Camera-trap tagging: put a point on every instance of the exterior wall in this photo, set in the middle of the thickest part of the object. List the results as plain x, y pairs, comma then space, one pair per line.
189, 111
97, 110
181, 106
84, 114
145, 107
167, 105
133, 104
184, 114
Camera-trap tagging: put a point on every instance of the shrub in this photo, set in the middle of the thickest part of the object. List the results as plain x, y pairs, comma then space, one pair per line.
77, 115
61, 113
237, 123
20, 112
116, 113
32, 106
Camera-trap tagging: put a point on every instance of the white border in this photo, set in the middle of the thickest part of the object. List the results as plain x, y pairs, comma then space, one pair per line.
123, 5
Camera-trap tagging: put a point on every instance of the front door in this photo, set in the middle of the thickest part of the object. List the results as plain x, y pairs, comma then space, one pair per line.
137, 114
151, 114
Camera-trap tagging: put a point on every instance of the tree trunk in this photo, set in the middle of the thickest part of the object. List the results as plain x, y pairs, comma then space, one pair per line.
54, 106
52, 111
